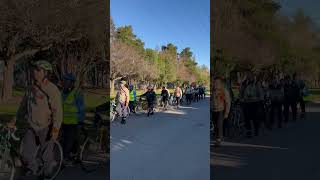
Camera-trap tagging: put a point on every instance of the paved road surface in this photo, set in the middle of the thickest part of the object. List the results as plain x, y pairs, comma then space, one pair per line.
171, 145
76, 173
290, 153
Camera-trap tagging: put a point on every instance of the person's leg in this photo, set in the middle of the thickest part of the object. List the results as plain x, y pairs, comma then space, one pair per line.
303, 107
271, 117
279, 114
131, 106
67, 139
247, 118
257, 111
29, 146
286, 112
219, 127
294, 110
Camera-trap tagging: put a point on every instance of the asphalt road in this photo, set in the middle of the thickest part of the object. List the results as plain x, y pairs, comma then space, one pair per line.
292, 152
170, 145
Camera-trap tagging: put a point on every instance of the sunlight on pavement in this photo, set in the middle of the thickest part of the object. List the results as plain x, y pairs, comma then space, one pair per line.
251, 145
227, 162
183, 107
174, 112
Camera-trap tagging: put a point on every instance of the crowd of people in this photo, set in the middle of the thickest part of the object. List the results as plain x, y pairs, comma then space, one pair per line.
264, 100
126, 98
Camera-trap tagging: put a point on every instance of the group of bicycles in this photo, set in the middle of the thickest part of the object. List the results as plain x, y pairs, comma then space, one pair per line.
91, 154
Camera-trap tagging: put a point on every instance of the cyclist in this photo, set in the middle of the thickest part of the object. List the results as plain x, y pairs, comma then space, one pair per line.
164, 97
178, 95
220, 108
133, 98
151, 99
122, 101
41, 107
73, 116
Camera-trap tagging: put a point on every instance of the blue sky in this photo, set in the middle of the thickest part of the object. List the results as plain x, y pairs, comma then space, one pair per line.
185, 23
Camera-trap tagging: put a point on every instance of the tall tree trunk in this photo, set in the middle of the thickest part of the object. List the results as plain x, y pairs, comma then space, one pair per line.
7, 84
112, 86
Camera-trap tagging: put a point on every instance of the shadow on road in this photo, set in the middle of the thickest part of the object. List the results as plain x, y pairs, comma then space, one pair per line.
275, 155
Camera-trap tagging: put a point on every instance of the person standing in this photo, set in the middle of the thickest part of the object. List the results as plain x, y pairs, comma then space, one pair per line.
303, 93
133, 98
251, 95
291, 96
73, 116
178, 95
41, 107
276, 95
221, 104
122, 100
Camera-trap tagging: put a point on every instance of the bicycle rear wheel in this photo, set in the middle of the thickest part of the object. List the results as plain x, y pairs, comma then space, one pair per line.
52, 168
92, 155
7, 169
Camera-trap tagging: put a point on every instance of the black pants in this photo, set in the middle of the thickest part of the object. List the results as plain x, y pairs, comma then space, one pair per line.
132, 106
293, 105
189, 98
178, 101
251, 112
217, 120
164, 102
70, 140
302, 105
276, 110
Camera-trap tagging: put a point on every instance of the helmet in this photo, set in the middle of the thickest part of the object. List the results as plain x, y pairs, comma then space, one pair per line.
43, 64
123, 82
69, 76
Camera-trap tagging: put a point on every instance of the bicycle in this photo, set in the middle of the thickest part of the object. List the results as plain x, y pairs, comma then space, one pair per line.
237, 125
114, 115
141, 105
11, 160
92, 151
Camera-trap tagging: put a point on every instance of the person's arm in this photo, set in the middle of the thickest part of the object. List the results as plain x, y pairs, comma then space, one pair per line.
227, 104
81, 107
127, 98
56, 103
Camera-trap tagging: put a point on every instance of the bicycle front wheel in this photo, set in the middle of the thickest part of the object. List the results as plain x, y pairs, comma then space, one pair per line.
52, 167
92, 155
7, 169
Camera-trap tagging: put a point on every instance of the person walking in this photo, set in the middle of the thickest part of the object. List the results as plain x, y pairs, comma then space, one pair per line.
221, 104
151, 99
164, 97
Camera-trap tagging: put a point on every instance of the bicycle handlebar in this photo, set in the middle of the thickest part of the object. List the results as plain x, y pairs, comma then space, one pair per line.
11, 131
